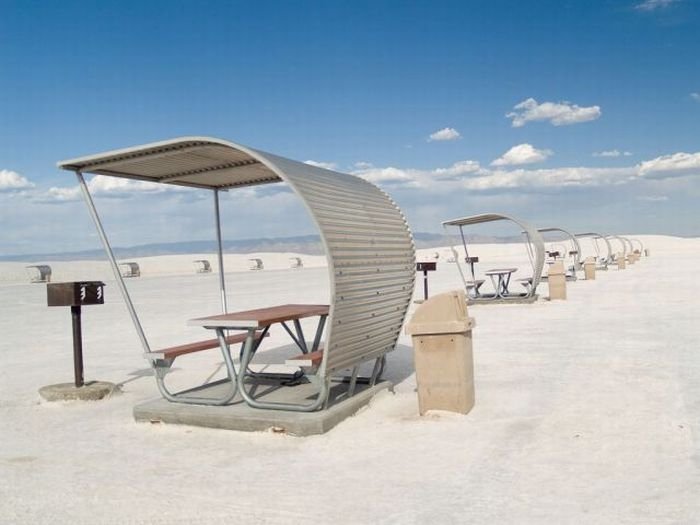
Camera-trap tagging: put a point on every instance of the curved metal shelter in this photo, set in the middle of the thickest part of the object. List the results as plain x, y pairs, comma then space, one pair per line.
367, 242
202, 266
130, 269
623, 241
604, 261
575, 253
39, 273
535, 250
256, 264
641, 246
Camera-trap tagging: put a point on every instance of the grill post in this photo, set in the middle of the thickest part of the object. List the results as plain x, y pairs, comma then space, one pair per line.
77, 346
425, 267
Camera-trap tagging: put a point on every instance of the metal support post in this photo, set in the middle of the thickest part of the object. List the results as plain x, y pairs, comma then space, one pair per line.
113, 261
77, 347
222, 280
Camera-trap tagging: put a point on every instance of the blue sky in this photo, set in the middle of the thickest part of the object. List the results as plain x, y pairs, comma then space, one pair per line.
584, 115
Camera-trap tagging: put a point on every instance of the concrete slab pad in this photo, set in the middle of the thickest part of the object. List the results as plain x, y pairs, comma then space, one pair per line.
239, 416
91, 391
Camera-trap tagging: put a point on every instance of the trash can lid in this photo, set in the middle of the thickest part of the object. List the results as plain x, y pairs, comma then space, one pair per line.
445, 313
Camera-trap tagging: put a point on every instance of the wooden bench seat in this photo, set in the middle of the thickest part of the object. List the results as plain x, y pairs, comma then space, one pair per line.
188, 348
310, 360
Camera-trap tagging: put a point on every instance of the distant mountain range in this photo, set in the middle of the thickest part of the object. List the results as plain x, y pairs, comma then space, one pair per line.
308, 244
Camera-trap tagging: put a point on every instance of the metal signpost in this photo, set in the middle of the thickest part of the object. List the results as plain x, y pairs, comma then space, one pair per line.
426, 267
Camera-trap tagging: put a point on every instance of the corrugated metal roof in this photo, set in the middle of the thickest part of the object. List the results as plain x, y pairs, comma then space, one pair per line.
475, 219
191, 161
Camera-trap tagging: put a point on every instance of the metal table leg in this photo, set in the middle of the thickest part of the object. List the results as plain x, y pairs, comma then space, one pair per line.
324, 386
161, 368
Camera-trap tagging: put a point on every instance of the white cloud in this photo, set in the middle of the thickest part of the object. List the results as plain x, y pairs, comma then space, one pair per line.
653, 198
61, 194
522, 154
11, 180
612, 153
363, 165
388, 175
470, 175
324, 165
557, 113
695, 96
667, 166
652, 5
101, 186
458, 169
419, 178
549, 178
115, 185
444, 134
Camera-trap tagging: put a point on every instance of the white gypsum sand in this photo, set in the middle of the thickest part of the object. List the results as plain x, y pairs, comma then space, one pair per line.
586, 409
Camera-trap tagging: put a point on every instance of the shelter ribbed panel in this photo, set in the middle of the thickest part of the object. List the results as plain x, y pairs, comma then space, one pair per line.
187, 163
372, 262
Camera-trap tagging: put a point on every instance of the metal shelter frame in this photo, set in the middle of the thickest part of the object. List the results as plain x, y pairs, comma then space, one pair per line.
256, 264
130, 269
202, 266
604, 261
623, 241
41, 273
641, 246
368, 244
578, 265
533, 242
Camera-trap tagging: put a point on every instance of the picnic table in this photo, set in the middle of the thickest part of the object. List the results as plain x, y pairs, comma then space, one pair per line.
500, 278
256, 324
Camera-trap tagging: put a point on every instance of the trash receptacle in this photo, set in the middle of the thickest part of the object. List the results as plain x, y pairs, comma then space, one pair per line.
589, 269
442, 349
620, 261
556, 281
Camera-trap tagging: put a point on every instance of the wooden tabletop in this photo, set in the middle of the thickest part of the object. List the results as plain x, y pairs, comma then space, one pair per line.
261, 317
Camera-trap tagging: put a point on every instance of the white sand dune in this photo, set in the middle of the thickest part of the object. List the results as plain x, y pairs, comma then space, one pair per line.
587, 409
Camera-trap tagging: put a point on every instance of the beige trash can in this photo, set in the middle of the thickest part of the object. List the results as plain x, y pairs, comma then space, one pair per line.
620, 261
556, 281
589, 269
442, 349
